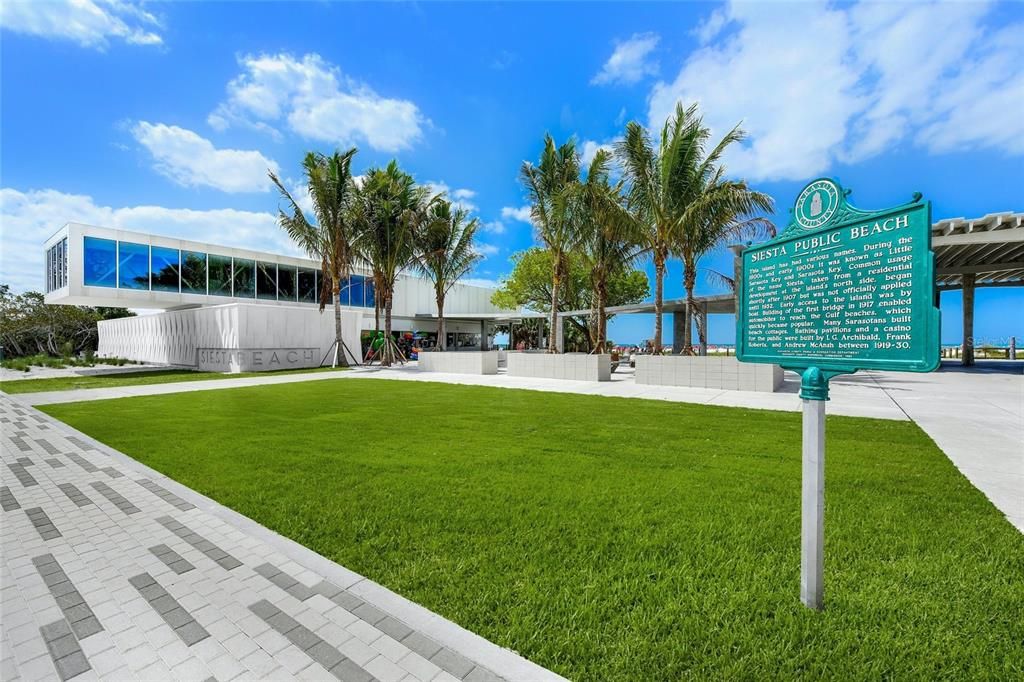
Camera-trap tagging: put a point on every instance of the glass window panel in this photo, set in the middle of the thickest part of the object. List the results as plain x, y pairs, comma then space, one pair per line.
307, 285
370, 292
286, 283
343, 292
132, 265
166, 266
193, 272
220, 275
245, 278
355, 288
266, 281
99, 262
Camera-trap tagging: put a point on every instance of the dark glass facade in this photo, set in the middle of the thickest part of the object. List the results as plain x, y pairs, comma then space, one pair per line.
193, 272
286, 288
57, 266
220, 275
266, 281
99, 261
244, 278
166, 268
307, 286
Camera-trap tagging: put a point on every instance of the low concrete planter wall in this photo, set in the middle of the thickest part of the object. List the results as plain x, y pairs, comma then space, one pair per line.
460, 362
707, 372
573, 366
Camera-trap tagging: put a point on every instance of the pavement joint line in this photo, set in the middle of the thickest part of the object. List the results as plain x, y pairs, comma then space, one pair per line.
7, 499
76, 610
42, 523
64, 649
115, 497
167, 607
339, 665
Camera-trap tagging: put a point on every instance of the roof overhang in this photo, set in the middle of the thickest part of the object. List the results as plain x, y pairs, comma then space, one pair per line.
990, 248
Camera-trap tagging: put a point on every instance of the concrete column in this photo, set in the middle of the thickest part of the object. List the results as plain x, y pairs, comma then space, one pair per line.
968, 286
678, 330
559, 334
1013, 348
483, 335
704, 343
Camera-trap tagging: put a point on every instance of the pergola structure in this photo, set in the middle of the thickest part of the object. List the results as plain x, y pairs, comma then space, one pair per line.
983, 252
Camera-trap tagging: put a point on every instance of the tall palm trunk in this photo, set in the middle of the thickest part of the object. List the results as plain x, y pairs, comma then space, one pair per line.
689, 280
659, 298
555, 282
388, 356
339, 355
602, 316
442, 338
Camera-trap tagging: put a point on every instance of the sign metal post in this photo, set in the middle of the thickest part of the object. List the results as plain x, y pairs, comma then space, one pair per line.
839, 290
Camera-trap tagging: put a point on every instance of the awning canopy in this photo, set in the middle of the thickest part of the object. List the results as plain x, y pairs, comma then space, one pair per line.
990, 248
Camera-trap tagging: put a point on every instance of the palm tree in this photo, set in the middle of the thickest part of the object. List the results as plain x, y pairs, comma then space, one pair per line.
548, 185
610, 237
657, 194
445, 252
388, 208
330, 240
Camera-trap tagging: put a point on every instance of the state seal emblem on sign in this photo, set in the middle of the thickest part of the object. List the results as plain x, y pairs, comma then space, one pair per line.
816, 204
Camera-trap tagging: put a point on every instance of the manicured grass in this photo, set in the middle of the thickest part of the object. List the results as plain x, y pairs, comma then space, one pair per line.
611, 538
159, 376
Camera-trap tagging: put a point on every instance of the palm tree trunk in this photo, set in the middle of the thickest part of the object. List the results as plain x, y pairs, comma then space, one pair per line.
555, 276
602, 318
441, 336
388, 355
659, 299
339, 355
689, 279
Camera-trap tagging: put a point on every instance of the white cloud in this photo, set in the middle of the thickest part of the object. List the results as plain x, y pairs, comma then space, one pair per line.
30, 217
487, 250
821, 84
459, 197
86, 22
317, 101
630, 62
590, 148
493, 227
481, 282
192, 161
521, 214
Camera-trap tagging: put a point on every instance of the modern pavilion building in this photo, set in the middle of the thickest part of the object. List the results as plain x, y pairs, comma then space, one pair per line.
234, 309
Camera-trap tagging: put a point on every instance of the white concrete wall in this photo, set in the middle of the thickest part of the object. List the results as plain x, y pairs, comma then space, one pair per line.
174, 337
463, 362
707, 372
573, 366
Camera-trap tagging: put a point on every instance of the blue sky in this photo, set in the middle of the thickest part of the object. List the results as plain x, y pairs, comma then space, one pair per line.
164, 117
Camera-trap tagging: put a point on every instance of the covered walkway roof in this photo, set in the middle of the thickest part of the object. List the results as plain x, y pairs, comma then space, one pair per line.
989, 248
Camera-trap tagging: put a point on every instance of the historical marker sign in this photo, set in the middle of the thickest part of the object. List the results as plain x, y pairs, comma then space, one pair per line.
839, 290
842, 289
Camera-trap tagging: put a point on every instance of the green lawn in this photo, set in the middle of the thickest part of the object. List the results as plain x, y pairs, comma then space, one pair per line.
611, 538
159, 376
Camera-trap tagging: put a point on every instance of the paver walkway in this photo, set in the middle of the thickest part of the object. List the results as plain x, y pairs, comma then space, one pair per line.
111, 571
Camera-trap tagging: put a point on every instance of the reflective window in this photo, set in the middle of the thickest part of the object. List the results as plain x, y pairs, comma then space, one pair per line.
99, 262
245, 278
370, 292
343, 292
166, 265
132, 265
355, 288
193, 272
220, 275
57, 266
266, 281
286, 283
307, 285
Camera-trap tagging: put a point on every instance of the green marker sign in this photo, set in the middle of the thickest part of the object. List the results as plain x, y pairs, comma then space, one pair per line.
842, 289
839, 290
